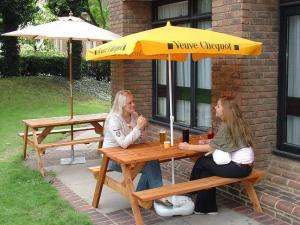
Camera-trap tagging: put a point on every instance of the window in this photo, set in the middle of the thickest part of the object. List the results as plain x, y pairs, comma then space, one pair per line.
191, 82
289, 82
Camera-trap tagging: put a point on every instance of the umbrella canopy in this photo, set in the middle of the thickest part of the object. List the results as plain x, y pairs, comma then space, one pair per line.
178, 42
65, 28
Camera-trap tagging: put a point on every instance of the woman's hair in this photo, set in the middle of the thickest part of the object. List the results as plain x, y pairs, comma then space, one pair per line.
119, 102
237, 126
118, 106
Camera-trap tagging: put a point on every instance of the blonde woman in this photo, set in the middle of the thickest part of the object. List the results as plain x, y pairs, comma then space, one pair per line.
124, 127
234, 140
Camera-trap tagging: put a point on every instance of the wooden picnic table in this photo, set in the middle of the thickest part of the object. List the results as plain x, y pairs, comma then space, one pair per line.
47, 125
133, 159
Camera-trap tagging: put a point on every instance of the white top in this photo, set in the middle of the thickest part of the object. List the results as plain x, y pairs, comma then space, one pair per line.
117, 132
243, 156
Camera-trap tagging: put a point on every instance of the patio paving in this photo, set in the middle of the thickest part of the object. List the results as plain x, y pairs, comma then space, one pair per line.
76, 184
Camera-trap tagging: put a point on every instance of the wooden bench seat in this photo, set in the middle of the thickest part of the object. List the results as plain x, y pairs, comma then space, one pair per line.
95, 170
196, 185
73, 142
61, 131
205, 183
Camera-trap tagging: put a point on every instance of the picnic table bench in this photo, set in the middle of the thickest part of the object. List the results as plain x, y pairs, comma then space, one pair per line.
35, 137
134, 158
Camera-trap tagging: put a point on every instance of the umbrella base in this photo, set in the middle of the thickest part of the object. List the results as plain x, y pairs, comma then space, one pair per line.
72, 161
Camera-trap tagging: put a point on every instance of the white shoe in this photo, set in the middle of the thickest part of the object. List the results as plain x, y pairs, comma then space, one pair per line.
209, 213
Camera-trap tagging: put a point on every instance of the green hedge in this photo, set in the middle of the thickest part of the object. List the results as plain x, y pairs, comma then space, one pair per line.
98, 69
33, 65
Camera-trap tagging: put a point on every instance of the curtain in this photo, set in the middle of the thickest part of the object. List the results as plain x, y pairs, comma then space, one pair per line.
294, 57
162, 106
173, 10
203, 6
183, 85
203, 109
162, 83
293, 130
293, 122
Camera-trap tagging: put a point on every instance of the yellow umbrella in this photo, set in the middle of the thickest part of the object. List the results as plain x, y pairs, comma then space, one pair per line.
174, 43
178, 42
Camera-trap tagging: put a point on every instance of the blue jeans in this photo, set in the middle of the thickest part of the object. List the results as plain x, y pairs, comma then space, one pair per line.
150, 178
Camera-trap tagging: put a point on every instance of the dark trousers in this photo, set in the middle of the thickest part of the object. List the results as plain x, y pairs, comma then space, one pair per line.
206, 167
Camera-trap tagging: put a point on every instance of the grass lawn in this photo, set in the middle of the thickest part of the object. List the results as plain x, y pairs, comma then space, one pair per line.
25, 197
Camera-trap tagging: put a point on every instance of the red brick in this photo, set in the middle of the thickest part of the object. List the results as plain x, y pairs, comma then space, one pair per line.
296, 211
269, 200
294, 184
285, 206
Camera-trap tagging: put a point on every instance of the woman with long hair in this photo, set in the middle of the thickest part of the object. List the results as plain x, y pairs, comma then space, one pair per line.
234, 142
124, 127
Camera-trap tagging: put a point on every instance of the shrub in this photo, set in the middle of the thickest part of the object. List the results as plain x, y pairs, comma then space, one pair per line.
58, 65
33, 65
98, 69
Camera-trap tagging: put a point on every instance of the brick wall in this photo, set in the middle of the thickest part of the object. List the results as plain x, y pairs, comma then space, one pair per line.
136, 75
253, 80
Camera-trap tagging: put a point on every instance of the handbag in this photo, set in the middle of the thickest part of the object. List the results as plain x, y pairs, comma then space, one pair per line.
220, 157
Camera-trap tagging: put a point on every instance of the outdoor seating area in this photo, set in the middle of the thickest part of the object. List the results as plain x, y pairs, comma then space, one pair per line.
150, 112
133, 160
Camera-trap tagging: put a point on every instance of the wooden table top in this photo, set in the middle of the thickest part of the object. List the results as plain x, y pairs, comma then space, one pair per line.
146, 152
65, 120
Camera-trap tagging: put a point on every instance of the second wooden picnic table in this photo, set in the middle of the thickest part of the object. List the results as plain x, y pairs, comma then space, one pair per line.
46, 126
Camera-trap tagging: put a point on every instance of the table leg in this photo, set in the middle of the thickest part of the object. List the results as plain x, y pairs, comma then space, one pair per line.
38, 153
25, 138
98, 128
100, 142
252, 196
133, 201
44, 134
100, 182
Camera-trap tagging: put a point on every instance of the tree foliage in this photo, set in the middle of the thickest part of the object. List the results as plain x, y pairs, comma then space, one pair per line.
15, 14
98, 13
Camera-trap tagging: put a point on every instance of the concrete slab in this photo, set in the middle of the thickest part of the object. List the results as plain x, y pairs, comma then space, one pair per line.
225, 217
81, 181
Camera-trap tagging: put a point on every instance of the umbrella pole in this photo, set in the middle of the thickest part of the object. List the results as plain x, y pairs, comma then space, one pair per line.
171, 113
171, 123
72, 160
71, 95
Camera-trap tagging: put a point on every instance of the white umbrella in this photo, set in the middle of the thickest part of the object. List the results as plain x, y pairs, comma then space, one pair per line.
66, 28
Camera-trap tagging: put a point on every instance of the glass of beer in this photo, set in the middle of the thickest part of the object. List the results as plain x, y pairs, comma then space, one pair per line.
210, 134
162, 137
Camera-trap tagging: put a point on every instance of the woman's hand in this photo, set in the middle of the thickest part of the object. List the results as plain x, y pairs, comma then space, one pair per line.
141, 122
184, 146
